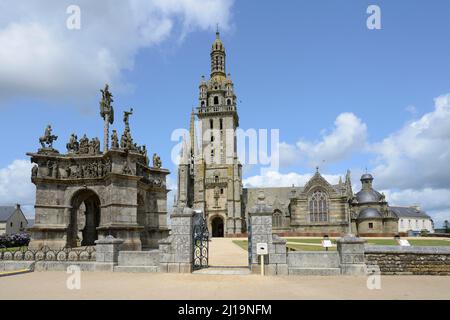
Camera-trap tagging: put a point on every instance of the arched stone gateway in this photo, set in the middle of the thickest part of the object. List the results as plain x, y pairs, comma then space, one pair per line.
84, 218
217, 227
87, 194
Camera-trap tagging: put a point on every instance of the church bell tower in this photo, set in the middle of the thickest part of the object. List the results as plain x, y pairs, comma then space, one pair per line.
216, 173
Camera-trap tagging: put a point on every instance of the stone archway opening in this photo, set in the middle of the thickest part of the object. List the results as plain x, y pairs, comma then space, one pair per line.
84, 219
217, 226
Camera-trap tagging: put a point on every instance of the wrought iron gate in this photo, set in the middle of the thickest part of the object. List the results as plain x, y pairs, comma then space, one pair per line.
201, 238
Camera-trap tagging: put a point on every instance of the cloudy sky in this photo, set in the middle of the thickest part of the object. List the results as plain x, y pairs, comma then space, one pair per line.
342, 96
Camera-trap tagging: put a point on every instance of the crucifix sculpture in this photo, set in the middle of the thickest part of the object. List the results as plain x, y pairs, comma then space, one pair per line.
107, 113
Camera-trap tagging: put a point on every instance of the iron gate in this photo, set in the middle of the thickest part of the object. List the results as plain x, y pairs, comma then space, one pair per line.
201, 238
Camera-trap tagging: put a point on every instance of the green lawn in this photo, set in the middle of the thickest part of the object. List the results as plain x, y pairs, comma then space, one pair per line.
386, 242
13, 249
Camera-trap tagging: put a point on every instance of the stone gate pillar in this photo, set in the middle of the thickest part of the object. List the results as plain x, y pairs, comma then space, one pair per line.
260, 231
177, 250
351, 255
107, 253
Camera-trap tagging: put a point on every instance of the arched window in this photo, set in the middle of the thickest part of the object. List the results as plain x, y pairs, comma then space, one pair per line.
318, 207
216, 100
276, 220
228, 101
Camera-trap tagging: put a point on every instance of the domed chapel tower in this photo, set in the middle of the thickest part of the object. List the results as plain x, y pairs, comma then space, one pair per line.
210, 175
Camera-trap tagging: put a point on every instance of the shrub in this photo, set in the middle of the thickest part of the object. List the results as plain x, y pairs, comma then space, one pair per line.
15, 240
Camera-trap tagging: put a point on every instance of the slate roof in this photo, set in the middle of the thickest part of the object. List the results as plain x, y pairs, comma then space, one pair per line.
6, 212
369, 213
409, 212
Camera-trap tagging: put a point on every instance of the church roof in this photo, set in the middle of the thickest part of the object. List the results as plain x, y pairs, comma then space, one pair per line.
409, 212
368, 196
369, 213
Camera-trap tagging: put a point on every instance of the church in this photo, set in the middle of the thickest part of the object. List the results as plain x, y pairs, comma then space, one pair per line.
210, 178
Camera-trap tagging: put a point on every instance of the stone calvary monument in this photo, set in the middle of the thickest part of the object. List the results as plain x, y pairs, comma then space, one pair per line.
86, 194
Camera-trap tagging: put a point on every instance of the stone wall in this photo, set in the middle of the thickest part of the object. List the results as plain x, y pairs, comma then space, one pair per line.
409, 260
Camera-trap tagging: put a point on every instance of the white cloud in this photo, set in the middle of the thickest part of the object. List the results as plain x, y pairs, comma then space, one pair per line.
417, 156
15, 184
42, 58
348, 135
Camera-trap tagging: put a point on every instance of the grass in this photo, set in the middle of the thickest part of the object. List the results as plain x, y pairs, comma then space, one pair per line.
13, 249
384, 242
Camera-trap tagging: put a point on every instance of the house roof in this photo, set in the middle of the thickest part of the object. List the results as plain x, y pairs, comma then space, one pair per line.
409, 212
6, 212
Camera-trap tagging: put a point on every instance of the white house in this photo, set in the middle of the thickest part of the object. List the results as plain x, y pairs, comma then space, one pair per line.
412, 219
12, 220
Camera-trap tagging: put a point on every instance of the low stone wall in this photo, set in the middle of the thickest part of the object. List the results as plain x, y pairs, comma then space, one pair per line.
313, 263
306, 259
16, 265
409, 260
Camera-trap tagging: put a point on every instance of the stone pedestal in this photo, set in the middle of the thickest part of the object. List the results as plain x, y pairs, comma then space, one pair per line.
176, 251
351, 255
260, 231
107, 253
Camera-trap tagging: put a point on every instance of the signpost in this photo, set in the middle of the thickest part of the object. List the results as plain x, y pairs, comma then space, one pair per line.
262, 250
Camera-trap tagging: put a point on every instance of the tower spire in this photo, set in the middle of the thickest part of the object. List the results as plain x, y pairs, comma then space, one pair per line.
218, 57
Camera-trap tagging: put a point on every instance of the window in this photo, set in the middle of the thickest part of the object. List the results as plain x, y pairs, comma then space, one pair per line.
221, 191
203, 104
228, 102
211, 124
318, 207
276, 221
370, 225
21, 225
221, 124
216, 100
11, 224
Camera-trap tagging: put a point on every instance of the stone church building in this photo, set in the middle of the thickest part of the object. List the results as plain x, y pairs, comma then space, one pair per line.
210, 177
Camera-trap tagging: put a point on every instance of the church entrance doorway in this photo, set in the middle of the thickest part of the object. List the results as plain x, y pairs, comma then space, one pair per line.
217, 227
84, 219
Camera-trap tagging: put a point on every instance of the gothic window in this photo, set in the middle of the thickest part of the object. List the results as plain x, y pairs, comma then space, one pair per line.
318, 207
276, 221
216, 100
221, 124
228, 102
211, 124
203, 104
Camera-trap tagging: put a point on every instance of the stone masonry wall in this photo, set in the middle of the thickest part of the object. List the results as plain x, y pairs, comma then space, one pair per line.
409, 260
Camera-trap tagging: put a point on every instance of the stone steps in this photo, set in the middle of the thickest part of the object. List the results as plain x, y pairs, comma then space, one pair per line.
224, 271
136, 269
314, 271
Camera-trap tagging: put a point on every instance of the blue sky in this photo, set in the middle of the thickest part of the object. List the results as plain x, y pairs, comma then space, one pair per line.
297, 66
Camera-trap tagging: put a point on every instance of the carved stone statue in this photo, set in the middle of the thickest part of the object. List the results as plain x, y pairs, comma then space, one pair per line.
114, 140
48, 138
126, 116
84, 145
73, 145
156, 161
34, 171
107, 113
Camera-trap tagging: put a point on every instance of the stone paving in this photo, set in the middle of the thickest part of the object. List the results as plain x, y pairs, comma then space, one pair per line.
224, 253
107, 285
